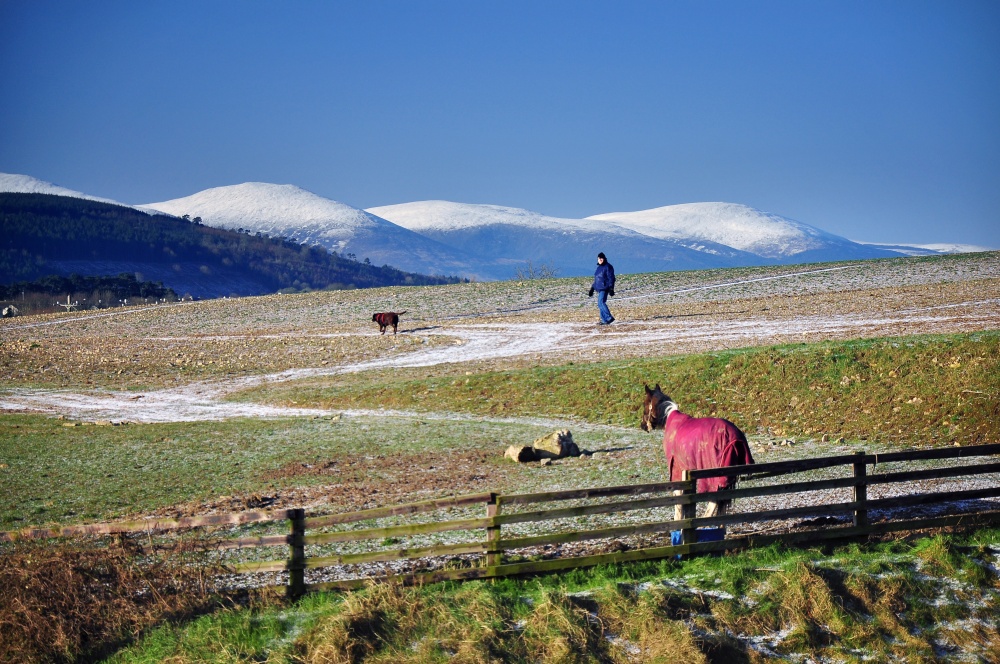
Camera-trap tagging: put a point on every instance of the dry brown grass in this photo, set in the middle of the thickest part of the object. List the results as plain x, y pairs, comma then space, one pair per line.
652, 632
877, 610
800, 600
561, 630
805, 598
976, 637
388, 623
474, 626
885, 600
366, 620
61, 603
391, 623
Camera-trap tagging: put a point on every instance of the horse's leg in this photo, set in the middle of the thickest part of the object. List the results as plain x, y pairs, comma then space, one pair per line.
678, 509
718, 509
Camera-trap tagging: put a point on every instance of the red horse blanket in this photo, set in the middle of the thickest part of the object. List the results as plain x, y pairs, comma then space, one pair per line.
704, 442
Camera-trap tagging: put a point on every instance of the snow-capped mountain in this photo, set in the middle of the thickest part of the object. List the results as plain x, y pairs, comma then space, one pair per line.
769, 236
289, 211
933, 249
25, 184
510, 237
493, 241
948, 247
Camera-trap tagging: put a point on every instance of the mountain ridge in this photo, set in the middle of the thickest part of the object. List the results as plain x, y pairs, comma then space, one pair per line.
507, 235
486, 241
47, 234
300, 215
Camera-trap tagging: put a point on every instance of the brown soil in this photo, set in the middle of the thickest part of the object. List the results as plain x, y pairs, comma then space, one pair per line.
357, 482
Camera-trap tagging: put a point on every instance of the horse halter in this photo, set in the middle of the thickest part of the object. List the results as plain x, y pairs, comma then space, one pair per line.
657, 412
650, 420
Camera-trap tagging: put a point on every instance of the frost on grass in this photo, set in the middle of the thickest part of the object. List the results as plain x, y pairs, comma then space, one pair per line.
164, 359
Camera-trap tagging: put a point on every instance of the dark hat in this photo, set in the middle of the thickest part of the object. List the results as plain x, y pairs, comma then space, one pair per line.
601, 255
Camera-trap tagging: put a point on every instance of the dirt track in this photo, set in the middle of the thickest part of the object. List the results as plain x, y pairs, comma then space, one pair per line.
793, 307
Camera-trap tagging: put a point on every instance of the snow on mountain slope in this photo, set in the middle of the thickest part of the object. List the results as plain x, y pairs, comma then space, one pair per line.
25, 184
742, 227
272, 208
511, 237
440, 216
493, 241
950, 248
927, 249
300, 215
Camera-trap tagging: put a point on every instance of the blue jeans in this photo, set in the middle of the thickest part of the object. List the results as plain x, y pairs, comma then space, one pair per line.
602, 307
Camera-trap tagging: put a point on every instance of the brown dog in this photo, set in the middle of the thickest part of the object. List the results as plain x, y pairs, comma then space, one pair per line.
386, 319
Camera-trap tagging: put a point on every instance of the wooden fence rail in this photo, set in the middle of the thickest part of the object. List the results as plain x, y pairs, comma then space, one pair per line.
493, 547
146, 525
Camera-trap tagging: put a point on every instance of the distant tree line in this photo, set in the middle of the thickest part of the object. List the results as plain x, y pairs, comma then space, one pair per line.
38, 228
121, 287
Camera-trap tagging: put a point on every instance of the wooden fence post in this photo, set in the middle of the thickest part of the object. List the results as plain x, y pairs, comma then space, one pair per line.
297, 554
688, 510
861, 491
493, 554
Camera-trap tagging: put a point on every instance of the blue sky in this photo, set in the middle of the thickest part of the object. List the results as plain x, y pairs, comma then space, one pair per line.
879, 121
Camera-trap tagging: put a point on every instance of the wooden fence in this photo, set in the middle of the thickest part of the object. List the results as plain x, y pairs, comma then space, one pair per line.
494, 551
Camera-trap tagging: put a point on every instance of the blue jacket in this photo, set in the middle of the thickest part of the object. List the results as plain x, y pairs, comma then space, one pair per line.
604, 277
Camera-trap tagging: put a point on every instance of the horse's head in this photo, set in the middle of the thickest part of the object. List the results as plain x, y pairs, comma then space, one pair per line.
654, 408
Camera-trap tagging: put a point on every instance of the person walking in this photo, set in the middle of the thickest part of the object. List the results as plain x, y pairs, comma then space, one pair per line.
604, 284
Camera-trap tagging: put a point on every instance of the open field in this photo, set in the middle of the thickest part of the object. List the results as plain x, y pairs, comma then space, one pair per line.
137, 364
297, 401
257, 393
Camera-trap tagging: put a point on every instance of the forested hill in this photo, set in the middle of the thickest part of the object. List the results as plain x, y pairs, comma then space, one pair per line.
43, 235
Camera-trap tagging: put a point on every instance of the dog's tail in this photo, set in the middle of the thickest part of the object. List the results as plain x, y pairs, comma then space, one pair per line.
400, 313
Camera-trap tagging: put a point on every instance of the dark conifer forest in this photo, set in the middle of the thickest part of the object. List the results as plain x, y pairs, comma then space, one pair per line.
117, 288
46, 240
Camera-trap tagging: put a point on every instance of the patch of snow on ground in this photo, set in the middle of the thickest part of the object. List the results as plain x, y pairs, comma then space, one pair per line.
204, 400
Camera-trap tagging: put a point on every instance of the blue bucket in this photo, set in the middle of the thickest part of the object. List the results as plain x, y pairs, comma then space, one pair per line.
701, 535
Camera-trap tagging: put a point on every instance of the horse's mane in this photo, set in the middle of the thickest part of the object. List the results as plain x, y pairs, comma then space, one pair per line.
666, 406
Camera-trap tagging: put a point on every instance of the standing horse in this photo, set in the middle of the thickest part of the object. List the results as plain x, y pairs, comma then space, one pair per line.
691, 443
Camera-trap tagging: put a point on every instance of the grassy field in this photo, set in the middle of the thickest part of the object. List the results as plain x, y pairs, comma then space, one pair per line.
876, 394
872, 356
77, 474
165, 346
926, 389
931, 600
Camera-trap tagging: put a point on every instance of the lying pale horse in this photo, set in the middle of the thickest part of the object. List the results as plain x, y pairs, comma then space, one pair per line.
692, 443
